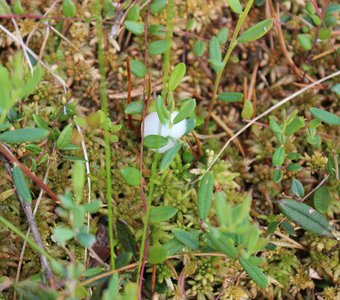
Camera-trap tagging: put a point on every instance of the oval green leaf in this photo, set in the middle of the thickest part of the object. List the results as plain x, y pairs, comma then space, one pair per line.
278, 156
20, 184
69, 9
186, 110
294, 126
138, 68
157, 47
257, 31
297, 188
235, 6
248, 110
157, 254
24, 135
305, 41
322, 199
186, 238
199, 48
177, 76
134, 27
325, 116
131, 176
154, 141
205, 194
134, 108
168, 157
307, 217
65, 136
230, 97
162, 213
221, 242
254, 272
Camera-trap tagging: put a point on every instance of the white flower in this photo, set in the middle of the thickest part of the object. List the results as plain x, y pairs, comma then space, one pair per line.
152, 125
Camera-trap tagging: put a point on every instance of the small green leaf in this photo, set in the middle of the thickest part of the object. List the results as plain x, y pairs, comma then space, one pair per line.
154, 141
137, 68
157, 6
297, 188
274, 125
186, 238
205, 194
131, 175
248, 110
277, 175
324, 34
168, 157
176, 76
279, 156
162, 112
62, 234
294, 126
33, 148
254, 272
162, 213
173, 246
272, 227
222, 209
20, 184
157, 47
199, 48
69, 9
186, 110
78, 179
288, 228
134, 27
65, 136
316, 20
305, 41
32, 83
215, 54
325, 116
255, 32
134, 108
294, 156
322, 199
86, 239
133, 13
230, 97
306, 216
222, 242
17, 7
222, 35
24, 135
294, 167
157, 254
93, 206
41, 123
235, 6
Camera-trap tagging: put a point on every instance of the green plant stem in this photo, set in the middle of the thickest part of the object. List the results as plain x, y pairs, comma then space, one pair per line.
11, 227
147, 216
167, 56
104, 104
233, 43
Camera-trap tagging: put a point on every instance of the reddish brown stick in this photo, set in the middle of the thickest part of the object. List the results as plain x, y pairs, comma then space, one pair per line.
37, 180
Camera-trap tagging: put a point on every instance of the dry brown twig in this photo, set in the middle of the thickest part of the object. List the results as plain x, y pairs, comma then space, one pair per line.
27, 208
